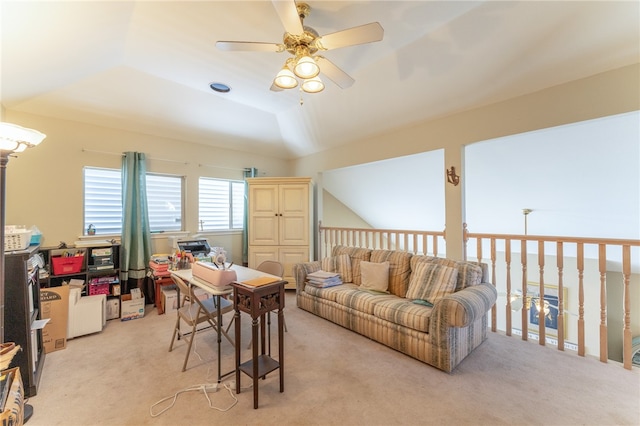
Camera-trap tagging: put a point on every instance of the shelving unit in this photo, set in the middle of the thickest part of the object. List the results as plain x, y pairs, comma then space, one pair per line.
99, 269
22, 309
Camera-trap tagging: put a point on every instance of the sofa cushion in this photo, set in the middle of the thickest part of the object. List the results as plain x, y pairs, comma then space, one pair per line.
431, 281
399, 269
469, 273
403, 313
375, 276
330, 293
340, 264
356, 254
361, 300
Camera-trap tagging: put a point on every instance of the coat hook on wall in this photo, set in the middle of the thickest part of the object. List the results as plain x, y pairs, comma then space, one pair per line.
452, 177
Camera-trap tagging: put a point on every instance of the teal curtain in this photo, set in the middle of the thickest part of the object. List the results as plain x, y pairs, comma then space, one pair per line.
248, 173
136, 234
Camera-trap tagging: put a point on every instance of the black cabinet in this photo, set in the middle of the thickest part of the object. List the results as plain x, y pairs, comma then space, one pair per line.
22, 309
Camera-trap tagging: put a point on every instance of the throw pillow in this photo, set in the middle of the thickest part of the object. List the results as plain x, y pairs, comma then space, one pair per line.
399, 269
375, 276
340, 264
356, 254
469, 274
431, 281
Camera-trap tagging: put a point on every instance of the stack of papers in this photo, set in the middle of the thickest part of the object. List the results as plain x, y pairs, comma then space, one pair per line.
257, 282
324, 279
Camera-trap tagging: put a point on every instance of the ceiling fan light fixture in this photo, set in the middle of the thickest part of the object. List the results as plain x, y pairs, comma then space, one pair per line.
285, 79
313, 85
306, 67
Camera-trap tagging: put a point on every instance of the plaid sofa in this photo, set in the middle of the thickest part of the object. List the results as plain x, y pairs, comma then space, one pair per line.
434, 310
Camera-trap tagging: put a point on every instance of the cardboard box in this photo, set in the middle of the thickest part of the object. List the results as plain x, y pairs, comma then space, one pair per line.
54, 304
169, 299
131, 308
113, 308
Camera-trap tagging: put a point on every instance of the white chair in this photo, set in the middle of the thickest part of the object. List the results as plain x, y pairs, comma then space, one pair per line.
194, 312
87, 314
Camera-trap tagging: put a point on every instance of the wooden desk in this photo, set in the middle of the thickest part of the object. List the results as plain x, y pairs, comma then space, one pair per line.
243, 274
258, 301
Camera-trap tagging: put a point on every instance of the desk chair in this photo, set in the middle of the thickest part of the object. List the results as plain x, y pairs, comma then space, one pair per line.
194, 312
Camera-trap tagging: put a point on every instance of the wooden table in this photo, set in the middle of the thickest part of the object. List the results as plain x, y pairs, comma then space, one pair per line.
257, 302
243, 274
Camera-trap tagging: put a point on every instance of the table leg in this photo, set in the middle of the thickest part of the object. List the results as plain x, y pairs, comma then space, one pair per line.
254, 348
237, 321
219, 336
281, 346
262, 334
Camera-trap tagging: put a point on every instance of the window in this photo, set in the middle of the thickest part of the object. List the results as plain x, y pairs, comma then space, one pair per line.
221, 204
103, 201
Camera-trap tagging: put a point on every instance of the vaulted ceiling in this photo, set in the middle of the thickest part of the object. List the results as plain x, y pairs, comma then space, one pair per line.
146, 66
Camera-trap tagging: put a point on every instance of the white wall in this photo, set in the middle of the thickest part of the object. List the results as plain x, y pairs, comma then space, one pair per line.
580, 179
45, 184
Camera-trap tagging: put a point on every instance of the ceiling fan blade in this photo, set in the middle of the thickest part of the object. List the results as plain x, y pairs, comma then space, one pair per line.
367, 33
288, 13
251, 46
333, 73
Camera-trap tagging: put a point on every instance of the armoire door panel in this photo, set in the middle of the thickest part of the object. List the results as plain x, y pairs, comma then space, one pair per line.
264, 230
294, 231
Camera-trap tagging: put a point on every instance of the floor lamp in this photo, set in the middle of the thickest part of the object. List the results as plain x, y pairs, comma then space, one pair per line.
13, 139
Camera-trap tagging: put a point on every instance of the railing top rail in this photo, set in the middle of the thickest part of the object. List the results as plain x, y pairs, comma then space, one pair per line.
396, 231
560, 239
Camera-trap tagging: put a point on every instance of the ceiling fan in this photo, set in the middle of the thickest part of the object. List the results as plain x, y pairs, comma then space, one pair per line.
304, 43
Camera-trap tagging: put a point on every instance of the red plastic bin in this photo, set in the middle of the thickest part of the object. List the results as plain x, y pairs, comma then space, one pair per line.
98, 289
67, 265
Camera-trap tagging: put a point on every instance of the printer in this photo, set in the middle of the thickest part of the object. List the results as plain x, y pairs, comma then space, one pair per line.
195, 247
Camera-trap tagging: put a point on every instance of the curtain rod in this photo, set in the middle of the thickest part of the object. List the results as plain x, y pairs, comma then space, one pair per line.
122, 155
213, 166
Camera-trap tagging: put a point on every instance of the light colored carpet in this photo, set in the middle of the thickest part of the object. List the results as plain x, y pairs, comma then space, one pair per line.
332, 376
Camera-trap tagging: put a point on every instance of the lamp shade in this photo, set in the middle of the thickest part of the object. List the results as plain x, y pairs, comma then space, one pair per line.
313, 85
16, 139
285, 79
306, 67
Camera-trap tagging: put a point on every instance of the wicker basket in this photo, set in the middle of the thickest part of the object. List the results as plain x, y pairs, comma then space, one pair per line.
17, 239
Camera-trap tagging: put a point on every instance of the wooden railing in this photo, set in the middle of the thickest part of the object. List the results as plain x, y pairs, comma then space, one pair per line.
580, 265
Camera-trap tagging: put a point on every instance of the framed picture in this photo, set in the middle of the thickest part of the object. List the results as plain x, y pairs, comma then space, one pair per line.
548, 303
115, 289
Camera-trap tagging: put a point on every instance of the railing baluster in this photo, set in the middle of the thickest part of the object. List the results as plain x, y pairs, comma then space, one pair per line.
494, 308
626, 333
435, 246
525, 297
507, 258
542, 329
581, 347
602, 265
560, 264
